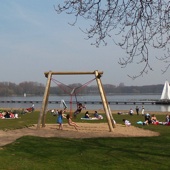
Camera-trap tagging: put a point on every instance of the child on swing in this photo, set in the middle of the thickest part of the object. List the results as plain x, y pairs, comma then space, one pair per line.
79, 108
70, 122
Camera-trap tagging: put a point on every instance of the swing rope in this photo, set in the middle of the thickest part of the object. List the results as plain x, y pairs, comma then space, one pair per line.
61, 85
74, 90
78, 89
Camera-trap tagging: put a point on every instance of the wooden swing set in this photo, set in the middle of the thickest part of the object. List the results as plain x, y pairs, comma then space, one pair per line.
48, 75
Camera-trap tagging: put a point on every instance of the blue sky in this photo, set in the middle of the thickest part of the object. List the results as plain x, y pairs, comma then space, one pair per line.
35, 39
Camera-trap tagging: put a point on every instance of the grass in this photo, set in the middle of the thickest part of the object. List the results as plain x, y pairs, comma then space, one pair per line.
34, 153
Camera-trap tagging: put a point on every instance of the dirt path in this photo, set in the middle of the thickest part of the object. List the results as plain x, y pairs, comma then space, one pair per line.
86, 130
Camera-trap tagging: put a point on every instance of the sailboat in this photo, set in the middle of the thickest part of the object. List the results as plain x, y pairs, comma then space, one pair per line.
165, 97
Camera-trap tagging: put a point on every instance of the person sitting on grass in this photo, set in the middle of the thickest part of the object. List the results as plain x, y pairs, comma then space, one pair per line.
96, 115
71, 123
127, 123
148, 118
167, 118
54, 112
131, 112
154, 120
87, 115
7, 114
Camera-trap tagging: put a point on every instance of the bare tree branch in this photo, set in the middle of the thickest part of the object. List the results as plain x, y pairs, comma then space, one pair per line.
139, 24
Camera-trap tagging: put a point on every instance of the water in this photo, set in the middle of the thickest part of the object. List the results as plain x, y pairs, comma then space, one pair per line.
120, 107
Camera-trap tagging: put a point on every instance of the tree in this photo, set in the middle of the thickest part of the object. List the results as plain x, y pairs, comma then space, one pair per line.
140, 25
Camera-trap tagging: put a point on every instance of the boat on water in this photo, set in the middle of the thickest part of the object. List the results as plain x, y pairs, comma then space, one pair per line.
165, 97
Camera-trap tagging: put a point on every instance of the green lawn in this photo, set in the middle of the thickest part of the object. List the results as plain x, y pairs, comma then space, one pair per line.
34, 153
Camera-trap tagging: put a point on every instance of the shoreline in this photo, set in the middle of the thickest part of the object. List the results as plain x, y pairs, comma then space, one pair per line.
92, 111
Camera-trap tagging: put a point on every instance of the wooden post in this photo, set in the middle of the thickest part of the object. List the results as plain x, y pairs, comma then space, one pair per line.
45, 108
104, 101
109, 110
45, 101
111, 116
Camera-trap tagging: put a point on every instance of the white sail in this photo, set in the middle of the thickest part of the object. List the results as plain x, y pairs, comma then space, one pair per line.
166, 91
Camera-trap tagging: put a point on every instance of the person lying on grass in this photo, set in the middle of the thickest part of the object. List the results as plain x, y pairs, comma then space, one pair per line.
70, 122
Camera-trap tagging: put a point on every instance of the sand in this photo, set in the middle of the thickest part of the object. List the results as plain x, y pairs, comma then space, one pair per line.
85, 130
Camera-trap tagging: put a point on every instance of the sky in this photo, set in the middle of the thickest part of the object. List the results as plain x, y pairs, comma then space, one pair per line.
35, 39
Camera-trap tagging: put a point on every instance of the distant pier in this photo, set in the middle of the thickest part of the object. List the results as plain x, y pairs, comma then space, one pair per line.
90, 102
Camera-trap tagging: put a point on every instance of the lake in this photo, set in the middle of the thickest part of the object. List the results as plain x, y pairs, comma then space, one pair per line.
25, 102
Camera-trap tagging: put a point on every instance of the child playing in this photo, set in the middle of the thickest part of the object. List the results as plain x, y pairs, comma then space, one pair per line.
60, 119
79, 108
70, 122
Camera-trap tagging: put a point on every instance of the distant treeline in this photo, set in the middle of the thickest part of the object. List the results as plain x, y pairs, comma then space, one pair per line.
37, 89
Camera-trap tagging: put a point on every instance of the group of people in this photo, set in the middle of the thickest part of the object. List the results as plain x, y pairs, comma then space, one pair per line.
14, 114
150, 119
153, 120
61, 114
95, 115
147, 118
8, 115
131, 112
